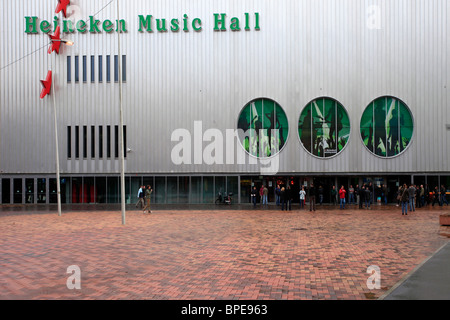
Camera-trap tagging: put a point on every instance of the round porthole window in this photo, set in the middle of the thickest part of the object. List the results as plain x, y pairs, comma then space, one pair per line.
324, 127
263, 128
386, 127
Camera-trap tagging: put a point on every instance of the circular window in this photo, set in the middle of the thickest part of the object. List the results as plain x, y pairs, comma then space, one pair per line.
324, 127
263, 128
386, 127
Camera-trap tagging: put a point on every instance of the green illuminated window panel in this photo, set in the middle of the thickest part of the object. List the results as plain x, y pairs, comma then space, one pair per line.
324, 127
386, 127
263, 128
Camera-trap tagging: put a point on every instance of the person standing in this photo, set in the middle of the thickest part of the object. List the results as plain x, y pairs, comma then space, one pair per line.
288, 198
312, 198
362, 196
333, 195
148, 192
436, 196
277, 194
443, 194
283, 198
342, 193
320, 196
404, 199
367, 195
427, 194
265, 194
302, 194
422, 196
254, 192
261, 192
411, 196
385, 194
351, 193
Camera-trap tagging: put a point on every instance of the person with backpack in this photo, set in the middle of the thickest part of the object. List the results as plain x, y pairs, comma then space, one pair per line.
404, 198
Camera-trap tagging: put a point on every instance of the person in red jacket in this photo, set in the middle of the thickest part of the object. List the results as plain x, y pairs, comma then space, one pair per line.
342, 197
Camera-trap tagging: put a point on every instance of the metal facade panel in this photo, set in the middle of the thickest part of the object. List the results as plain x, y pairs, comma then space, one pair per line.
304, 50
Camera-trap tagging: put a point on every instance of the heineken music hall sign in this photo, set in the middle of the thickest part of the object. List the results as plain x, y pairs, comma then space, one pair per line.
145, 23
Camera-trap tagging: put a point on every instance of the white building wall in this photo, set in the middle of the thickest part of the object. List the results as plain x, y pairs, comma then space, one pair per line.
303, 50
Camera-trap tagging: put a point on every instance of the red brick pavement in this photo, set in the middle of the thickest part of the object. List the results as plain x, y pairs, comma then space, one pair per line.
198, 254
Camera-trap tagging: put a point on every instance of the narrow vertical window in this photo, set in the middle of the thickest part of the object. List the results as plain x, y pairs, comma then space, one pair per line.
100, 141
84, 69
77, 142
124, 141
69, 69
84, 141
92, 68
69, 142
92, 141
77, 76
116, 68
108, 68
108, 141
124, 68
100, 69
116, 141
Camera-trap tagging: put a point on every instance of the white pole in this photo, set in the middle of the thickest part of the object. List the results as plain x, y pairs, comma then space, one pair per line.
58, 183
121, 144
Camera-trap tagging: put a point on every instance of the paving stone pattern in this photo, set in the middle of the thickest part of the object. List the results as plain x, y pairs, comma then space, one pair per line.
213, 254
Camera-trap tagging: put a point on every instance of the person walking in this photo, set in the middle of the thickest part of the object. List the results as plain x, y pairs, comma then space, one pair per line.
141, 195
312, 198
404, 199
148, 192
411, 197
342, 193
302, 194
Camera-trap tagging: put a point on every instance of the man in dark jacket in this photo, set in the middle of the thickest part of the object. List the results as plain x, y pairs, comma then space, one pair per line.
312, 198
367, 196
404, 197
362, 196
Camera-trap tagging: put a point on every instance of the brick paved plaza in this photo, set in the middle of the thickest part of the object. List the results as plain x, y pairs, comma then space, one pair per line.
213, 254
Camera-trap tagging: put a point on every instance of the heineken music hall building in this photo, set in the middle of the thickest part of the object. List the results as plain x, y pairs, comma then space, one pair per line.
219, 96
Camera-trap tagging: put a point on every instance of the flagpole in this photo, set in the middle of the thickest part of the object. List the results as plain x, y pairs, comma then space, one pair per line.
58, 182
121, 145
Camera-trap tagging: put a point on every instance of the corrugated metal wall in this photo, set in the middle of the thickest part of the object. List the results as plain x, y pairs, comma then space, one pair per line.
303, 50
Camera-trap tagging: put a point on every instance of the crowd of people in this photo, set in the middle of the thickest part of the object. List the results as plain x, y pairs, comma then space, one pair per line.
412, 196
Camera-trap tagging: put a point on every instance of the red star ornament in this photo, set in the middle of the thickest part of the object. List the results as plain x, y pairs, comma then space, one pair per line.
62, 5
56, 41
47, 83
